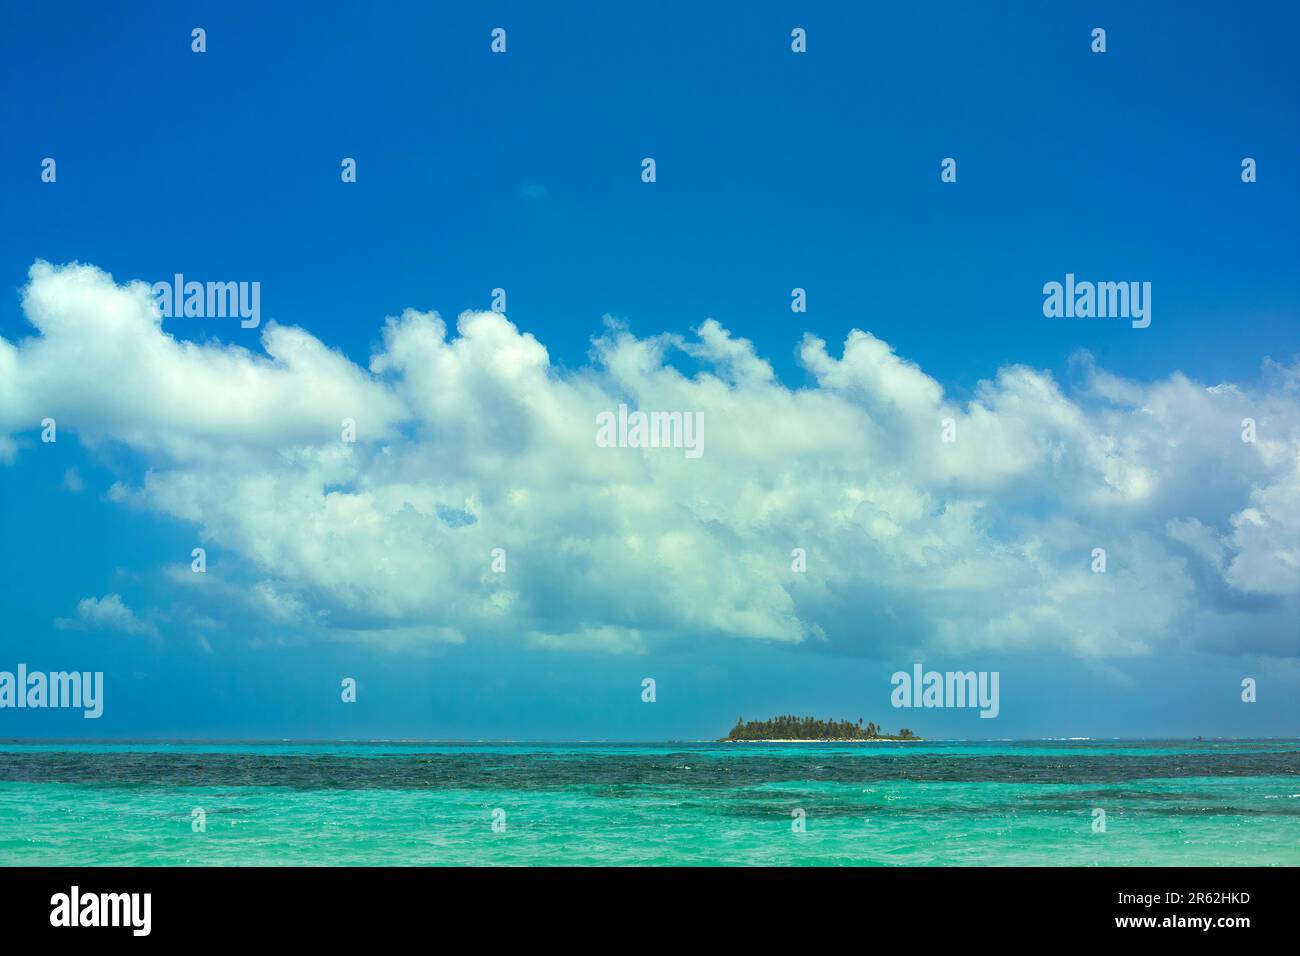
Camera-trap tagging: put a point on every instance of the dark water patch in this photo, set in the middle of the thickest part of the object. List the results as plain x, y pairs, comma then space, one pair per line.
515, 771
1118, 795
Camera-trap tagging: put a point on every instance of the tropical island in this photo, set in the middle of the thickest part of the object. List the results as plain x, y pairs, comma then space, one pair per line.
791, 729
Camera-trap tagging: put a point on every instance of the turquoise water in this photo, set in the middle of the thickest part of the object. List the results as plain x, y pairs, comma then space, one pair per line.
944, 803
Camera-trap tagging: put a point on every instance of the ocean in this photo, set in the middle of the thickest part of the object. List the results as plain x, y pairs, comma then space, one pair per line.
1068, 803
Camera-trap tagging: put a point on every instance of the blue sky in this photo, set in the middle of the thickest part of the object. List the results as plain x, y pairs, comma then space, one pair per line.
774, 171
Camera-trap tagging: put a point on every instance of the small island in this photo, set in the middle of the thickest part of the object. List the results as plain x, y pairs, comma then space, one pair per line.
790, 730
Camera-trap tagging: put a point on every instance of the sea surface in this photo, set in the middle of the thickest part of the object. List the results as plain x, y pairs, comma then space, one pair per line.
1165, 803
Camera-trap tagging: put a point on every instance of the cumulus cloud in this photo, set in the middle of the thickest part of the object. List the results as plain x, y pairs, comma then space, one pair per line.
102, 366
468, 439
105, 614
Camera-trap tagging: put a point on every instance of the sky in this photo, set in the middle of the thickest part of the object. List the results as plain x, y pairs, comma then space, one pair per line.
823, 429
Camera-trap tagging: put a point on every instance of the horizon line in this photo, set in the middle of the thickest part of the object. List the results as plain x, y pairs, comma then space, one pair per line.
712, 740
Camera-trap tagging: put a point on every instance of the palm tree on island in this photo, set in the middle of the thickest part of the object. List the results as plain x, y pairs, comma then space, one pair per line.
790, 727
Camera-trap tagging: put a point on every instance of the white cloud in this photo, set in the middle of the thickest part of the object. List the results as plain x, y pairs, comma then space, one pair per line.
473, 441
103, 368
1265, 539
105, 614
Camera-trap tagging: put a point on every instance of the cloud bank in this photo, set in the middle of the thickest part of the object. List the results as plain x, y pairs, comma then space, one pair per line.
471, 441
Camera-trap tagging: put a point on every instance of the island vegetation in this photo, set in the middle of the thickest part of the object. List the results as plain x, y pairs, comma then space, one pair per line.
789, 727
